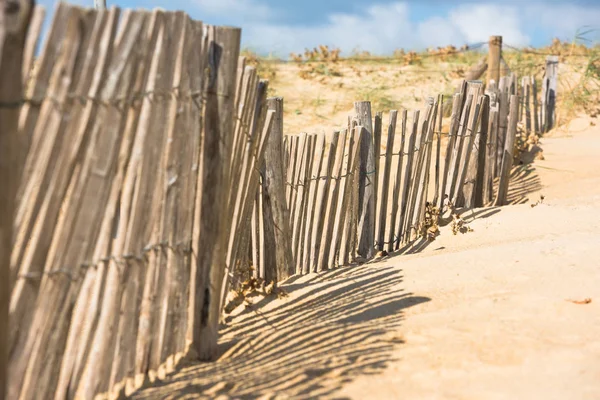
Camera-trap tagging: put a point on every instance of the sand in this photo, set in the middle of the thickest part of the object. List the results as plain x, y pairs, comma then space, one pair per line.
489, 314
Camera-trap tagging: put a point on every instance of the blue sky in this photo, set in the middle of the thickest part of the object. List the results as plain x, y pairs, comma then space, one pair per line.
380, 26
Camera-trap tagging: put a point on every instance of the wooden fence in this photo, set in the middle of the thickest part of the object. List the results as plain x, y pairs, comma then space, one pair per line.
157, 167
146, 131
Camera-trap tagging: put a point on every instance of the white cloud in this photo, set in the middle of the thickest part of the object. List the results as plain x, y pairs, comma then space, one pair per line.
477, 22
386, 27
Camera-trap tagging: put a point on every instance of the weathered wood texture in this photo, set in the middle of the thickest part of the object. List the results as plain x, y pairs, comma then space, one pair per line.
14, 26
549, 88
124, 228
494, 57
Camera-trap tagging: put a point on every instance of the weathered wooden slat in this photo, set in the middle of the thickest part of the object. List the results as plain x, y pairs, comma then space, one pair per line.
472, 184
438, 150
385, 183
312, 202
480, 156
503, 100
377, 132
458, 148
276, 212
332, 210
452, 133
507, 159
343, 217
303, 207
321, 202
475, 89
31, 43
366, 195
392, 238
535, 116
223, 52
549, 89
490, 163
461, 195
420, 170
299, 195
15, 19
410, 151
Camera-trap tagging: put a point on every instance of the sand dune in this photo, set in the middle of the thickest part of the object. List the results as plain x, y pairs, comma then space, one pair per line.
490, 314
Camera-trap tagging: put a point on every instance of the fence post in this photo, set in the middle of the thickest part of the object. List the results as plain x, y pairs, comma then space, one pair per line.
549, 87
494, 57
366, 183
14, 24
279, 263
508, 151
100, 4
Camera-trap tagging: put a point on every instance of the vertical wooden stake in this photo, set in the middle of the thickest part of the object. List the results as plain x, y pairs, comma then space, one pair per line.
14, 24
278, 242
549, 87
367, 172
494, 56
507, 158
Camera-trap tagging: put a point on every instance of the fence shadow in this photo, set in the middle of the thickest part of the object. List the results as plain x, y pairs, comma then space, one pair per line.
340, 327
523, 181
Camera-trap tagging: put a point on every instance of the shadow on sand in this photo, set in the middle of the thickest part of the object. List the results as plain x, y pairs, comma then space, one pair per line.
338, 324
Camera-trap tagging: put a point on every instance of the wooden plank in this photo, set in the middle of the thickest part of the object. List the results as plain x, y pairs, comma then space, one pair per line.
300, 156
535, 116
481, 152
410, 151
277, 214
223, 52
342, 217
332, 210
417, 185
307, 144
312, 202
324, 181
14, 27
30, 111
453, 172
466, 144
377, 131
348, 238
438, 150
507, 158
503, 100
466, 189
490, 164
347, 185
527, 95
392, 238
387, 170
549, 90
304, 196
291, 172
478, 69
31, 43
452, 133
366, 184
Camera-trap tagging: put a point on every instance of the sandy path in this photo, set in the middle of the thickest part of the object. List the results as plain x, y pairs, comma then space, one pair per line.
484, 315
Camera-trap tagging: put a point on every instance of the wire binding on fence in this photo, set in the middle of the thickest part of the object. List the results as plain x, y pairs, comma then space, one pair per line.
183, 247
